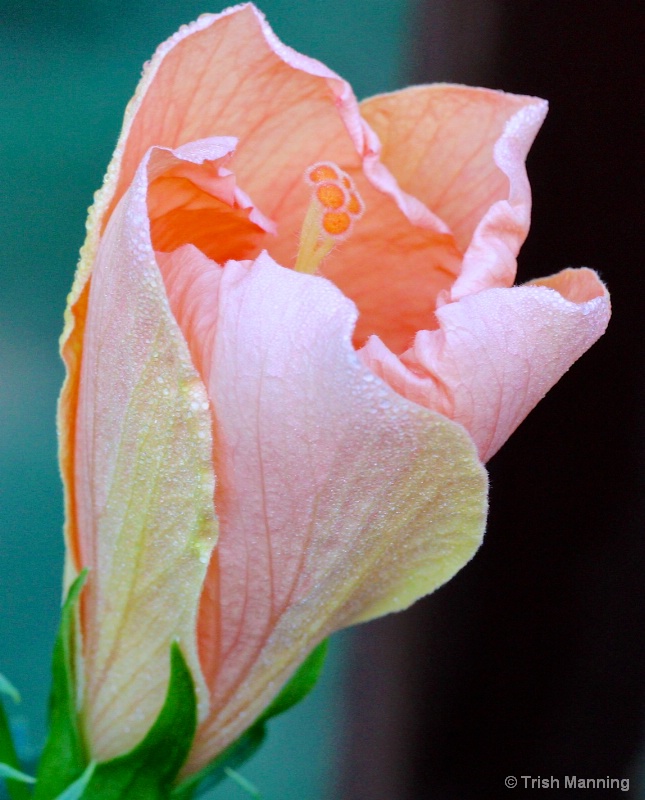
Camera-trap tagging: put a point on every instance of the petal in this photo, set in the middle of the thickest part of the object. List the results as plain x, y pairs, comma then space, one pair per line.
228, 75
497, 353
144, 482
338, 499
394, 272
490, 260
192, 283
461, 151
193, 199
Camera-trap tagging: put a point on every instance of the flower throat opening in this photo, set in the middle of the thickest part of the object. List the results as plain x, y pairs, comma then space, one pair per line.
335, 206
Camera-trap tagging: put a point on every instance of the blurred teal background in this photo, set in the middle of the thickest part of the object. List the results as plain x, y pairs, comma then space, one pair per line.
67, 70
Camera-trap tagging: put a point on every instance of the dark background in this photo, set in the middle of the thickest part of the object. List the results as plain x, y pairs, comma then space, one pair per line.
531, 661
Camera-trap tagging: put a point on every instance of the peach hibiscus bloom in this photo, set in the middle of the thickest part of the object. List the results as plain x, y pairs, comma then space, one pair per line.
256, 455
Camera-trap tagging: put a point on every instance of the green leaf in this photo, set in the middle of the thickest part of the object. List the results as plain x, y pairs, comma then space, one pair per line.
15, 774
17, 790
8, 689
236, 754
76, 790
149, 770
63, 759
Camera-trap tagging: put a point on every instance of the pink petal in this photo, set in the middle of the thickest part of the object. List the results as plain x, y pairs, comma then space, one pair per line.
498, 352
143, 477
193, 282
338, 499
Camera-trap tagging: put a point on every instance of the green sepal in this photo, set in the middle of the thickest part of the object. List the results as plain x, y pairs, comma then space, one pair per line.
301, 683
214, 773
77, 789
242, 782
8, 756
149, 769
9, 689
63, 759
14, 774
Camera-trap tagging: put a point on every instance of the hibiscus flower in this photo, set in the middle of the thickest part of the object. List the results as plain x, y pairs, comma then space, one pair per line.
292, 340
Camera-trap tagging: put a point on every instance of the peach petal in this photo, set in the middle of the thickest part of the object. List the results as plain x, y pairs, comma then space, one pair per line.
288, 111
338, 499
498, 352
394, 272
144, 481
193, 199
285, 108
438, 141
195, 154
461, 151
490, 260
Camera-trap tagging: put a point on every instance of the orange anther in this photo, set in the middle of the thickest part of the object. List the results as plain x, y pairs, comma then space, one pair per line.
355, 205
331, 195
322, 172
336, 223
335, 204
